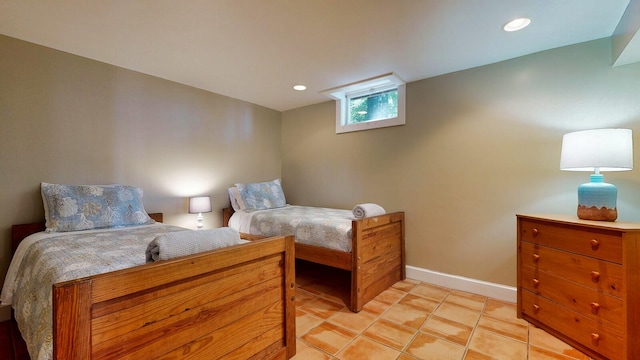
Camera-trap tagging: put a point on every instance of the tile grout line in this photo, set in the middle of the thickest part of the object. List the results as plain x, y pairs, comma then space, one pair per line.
379, 316
415, 335
473, 330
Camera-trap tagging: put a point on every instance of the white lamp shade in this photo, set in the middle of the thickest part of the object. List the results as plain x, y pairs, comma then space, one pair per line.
199, 204
601, 149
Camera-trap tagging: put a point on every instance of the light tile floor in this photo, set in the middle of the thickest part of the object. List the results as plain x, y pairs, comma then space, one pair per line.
412, 320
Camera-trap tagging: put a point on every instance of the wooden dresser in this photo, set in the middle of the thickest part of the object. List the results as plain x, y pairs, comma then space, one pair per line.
580, 281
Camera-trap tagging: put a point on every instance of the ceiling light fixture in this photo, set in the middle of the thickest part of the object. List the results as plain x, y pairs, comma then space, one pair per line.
517, 24
300, 87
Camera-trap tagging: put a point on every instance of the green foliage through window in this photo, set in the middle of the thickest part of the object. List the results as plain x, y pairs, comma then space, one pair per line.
378, 106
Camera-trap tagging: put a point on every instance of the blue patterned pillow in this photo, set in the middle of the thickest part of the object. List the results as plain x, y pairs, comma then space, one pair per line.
261, 196
85, 207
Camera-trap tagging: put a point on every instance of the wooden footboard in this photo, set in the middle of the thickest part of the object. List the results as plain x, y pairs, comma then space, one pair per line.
376, 262
232, 303
378, 256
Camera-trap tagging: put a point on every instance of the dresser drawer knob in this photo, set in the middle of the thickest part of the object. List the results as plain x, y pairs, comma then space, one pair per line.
535, 282
595, 338
595, 244
535, 232
535, 257
595, 276
536, 308
595, 307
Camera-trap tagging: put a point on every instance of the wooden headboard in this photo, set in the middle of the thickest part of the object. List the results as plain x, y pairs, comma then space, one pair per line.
21, 231
226, 215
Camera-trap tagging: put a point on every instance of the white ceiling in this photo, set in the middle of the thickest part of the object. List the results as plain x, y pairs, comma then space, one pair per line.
256, 50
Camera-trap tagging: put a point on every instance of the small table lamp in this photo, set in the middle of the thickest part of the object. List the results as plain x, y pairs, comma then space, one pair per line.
597, 150
198, 205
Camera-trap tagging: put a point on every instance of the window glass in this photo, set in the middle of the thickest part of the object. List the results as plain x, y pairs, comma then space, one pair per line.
378, 106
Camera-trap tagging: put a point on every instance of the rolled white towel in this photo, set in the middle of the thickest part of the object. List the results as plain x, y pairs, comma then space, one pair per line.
181, 243
366, 210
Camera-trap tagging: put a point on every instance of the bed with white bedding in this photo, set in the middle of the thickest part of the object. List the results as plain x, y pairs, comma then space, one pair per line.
79, 294
370, 248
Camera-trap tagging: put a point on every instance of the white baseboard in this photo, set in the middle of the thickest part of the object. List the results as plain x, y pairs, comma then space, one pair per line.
492, 290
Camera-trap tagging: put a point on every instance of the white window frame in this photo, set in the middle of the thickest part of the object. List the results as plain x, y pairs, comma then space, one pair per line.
370, 86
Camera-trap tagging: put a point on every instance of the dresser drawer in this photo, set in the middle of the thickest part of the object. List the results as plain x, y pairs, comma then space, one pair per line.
600, 244
596, 336
602, 276
591, 303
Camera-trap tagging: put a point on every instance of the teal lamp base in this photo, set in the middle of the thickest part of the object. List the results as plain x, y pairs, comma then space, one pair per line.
597, 200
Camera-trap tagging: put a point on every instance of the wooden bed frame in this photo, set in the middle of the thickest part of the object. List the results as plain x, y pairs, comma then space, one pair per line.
377, 259
232, 303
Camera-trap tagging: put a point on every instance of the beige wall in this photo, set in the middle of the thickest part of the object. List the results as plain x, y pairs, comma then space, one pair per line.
67, 119
479, 146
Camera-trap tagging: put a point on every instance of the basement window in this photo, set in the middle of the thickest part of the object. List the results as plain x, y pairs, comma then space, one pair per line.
369, 104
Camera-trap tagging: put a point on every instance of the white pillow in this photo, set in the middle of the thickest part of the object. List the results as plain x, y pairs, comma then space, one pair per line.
235, 198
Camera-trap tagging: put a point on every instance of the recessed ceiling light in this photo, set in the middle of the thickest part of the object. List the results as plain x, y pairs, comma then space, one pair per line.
517, 24
300, 87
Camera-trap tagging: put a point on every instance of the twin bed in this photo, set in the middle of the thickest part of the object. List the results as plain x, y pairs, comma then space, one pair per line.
236, 302
372, 249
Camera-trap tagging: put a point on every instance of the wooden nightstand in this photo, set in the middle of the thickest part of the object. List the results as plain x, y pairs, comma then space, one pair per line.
580, 281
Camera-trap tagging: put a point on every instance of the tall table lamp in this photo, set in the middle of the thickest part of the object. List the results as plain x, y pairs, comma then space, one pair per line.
597, 150
199, 205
